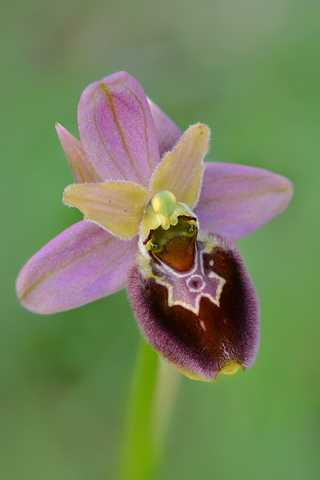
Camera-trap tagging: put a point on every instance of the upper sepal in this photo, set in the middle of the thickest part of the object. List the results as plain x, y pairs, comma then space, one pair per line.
204, 320
117, 130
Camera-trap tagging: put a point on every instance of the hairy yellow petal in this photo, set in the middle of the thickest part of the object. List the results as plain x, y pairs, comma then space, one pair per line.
181, 170
116, 206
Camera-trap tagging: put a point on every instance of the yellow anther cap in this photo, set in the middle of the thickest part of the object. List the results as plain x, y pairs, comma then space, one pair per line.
164, 203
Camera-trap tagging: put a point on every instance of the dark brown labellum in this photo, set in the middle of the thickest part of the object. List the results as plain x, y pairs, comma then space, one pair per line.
203, 318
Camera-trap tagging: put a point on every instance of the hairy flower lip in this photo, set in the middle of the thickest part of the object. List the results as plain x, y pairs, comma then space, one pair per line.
208, 344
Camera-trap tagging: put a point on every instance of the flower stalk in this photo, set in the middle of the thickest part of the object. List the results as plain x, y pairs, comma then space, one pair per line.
150, 403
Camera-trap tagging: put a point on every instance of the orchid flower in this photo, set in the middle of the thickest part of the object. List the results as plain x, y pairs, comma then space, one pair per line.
161, 223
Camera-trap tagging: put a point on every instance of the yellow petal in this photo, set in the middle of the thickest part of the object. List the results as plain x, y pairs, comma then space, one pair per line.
116, 206
180, 171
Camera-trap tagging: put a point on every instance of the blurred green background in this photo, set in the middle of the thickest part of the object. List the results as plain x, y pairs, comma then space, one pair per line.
250, 70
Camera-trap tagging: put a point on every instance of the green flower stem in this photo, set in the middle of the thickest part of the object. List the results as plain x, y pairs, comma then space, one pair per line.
151, 400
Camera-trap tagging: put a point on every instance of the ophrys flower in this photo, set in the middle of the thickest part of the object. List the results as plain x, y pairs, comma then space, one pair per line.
149, 225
